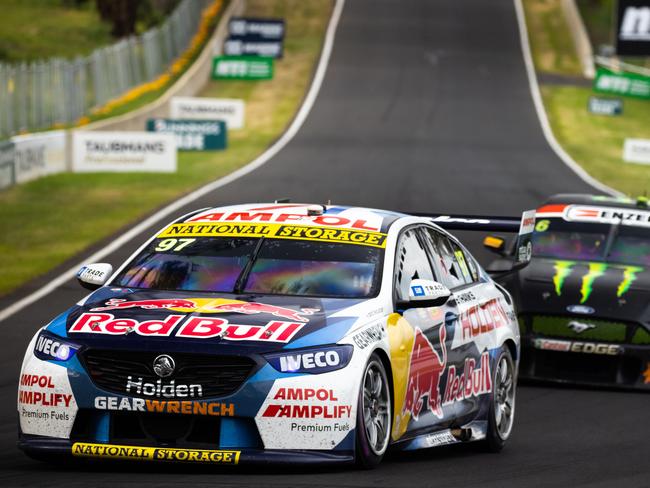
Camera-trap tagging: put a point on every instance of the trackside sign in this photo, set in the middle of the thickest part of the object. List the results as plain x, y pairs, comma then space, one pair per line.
230, 110
192, 135
633, 28
242, 68
255, 37
123, 152
37, 155
626, 84
636, 151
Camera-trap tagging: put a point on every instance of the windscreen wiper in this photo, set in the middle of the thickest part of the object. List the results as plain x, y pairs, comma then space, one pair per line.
613, 234
242, 279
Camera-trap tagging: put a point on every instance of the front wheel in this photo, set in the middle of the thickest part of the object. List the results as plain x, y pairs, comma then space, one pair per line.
373, 415
502, 408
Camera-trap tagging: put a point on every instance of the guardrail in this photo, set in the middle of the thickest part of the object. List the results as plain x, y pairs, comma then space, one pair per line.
43, 94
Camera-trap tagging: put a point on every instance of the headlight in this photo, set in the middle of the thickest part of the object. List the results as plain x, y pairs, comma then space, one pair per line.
52, 347
317, 360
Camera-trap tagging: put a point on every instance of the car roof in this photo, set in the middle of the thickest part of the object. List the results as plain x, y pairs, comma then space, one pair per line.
376, 219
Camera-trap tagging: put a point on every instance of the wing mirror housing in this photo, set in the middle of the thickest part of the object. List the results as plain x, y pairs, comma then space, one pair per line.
425, 293
93, 276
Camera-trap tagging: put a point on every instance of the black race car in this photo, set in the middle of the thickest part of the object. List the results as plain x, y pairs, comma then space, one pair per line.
584, 300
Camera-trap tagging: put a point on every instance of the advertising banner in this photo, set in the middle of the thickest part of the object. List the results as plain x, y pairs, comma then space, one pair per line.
636, 151
7, 176
626, 84
251, 46
242, 68
261, 29
123, 152
230, 110
605, 106
37, 155
192, 135
524, 244
633, 28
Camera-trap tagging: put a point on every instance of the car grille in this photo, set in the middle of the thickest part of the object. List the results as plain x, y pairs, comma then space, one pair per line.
217, 375
595, 329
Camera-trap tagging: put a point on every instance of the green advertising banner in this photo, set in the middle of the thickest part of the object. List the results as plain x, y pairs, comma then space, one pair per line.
626, 84
192, 135
242, 68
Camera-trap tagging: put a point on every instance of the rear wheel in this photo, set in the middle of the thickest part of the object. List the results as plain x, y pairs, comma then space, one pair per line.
373, 415
502, 409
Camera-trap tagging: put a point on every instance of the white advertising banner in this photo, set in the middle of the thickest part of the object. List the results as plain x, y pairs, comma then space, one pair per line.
6, 164
230, 110
95, 152
636, 151
37, 155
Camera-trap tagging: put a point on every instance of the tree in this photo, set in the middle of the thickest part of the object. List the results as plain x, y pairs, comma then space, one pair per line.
121, 14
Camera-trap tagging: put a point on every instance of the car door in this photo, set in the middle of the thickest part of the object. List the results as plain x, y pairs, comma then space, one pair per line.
423, 406
459, 272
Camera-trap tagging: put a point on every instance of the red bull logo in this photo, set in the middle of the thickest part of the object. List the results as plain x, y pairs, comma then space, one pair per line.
162, 303
208, 305
255, 307
425, 371
187, 327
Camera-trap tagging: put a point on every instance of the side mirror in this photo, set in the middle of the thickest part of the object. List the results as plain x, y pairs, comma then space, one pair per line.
93, 276
495, 244
425, 293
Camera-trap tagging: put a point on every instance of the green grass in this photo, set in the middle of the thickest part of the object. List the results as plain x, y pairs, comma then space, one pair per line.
45, 222
40, 29
551, 41
593, 141
596, 141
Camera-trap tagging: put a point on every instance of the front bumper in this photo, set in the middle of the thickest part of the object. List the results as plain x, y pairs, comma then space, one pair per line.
555, 360
42, 447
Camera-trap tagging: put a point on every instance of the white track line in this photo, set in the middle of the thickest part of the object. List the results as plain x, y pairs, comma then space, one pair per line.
302, 114
541, 112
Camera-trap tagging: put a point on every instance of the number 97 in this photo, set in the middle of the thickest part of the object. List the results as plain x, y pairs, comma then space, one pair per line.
173, 244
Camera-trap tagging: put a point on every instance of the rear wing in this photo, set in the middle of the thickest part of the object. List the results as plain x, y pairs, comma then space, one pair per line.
473, 222
523, 226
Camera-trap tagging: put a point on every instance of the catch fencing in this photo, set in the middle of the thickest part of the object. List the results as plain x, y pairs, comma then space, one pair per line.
43, 94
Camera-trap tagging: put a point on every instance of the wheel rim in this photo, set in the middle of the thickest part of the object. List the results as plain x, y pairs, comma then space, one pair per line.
376, 408
504, 397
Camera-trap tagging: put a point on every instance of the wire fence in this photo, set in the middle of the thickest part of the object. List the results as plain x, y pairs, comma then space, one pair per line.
42, 94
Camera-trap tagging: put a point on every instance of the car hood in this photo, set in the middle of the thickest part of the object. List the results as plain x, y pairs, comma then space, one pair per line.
200, 322
605, 289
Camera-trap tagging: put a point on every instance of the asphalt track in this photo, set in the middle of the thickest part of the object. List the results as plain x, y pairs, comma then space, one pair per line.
425, 106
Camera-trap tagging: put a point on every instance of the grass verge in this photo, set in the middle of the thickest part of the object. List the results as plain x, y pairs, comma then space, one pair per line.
45, 222
40, 29
550, 38
593, 141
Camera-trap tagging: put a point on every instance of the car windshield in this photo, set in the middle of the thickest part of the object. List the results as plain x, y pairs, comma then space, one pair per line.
623, 244
254, 265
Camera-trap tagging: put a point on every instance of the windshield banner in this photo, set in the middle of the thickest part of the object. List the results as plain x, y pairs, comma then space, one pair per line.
275, 231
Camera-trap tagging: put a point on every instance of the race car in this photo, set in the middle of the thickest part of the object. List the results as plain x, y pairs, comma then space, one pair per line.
282, 333
584, 299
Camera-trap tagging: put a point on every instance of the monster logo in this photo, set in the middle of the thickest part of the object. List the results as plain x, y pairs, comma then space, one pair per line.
563, 269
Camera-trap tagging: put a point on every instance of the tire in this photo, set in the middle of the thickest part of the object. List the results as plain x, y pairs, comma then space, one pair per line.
502, 405
374, 415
